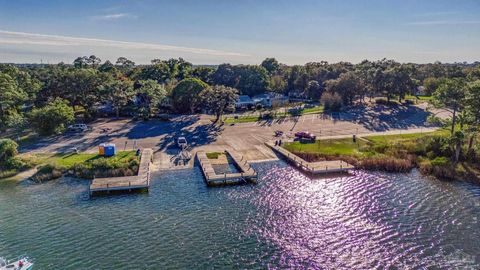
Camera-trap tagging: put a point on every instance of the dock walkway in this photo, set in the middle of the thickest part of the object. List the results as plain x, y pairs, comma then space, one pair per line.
139, 181
320, 167
247, 173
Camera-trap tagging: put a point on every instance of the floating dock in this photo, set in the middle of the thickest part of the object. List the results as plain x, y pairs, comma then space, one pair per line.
246, 174
320, 167
126, 183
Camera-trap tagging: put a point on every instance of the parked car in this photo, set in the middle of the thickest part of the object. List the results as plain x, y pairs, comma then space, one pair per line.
78, 127
305, 135
278, 133
182, 142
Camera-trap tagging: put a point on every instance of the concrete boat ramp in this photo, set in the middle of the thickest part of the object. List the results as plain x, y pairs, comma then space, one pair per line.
246, 172
126, 183
320, 167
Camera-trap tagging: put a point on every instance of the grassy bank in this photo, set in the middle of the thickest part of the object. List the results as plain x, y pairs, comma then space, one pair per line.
84, 165
394, 153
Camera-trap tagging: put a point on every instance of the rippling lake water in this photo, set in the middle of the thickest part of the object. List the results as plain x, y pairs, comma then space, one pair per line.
287, 220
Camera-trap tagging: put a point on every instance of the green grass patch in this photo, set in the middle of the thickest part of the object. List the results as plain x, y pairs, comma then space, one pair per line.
241, 119
334, 147
213, 155
423, 98
391, 139
314, 110
273, 115
70, 159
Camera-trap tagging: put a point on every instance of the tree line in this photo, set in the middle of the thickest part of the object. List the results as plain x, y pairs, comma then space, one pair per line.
31, 94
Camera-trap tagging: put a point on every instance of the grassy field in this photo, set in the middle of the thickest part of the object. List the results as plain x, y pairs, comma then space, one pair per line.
345, 147
422, 98
68, 160
241, 119
314, 110
255, 118
405, 137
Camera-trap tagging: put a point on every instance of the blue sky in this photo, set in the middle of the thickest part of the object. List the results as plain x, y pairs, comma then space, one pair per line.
218, 31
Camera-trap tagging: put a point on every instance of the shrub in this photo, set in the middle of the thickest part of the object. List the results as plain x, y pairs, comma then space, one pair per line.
437, 145
331, 102
8, 149
388, 164
47, 172
440, 161
16, 163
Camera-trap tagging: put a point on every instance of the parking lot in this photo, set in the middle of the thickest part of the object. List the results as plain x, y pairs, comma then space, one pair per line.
246, 138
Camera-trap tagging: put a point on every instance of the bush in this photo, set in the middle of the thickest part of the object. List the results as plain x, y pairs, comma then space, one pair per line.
8, 150
331, 102
47, 172
16, 163
440, 161
388, 164
438, 146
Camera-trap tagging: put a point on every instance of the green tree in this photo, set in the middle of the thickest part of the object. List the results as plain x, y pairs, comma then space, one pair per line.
219, 99
53, 118
271, 65
159, 72
185, 96
278, 84
248, 79
11, 98
431, 84
119, 92
125, 63
8, 149
79, 86
314, 90
473, 105
149, 95
456, 140
348, 86
450, 95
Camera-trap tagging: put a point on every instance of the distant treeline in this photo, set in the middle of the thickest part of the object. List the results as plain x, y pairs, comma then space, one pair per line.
88, 85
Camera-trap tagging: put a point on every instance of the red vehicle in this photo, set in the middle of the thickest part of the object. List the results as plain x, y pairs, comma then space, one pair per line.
305, 135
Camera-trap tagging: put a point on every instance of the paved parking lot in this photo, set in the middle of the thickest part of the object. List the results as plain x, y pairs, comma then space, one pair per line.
246, 138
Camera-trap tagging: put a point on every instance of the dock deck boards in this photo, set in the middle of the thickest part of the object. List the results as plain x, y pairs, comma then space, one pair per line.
320, 167
139, 181
212, 178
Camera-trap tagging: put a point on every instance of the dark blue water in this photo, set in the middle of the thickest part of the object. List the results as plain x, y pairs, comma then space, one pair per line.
287, 220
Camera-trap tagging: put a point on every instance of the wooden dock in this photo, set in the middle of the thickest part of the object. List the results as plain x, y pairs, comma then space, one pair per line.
246, 174
126, 183
320, 167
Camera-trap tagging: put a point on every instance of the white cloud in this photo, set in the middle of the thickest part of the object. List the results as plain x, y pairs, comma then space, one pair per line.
442, 22
21, 38
114, 16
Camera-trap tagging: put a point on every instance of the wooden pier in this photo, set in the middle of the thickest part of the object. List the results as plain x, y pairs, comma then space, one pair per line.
320, 167
246, 174
126, 183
